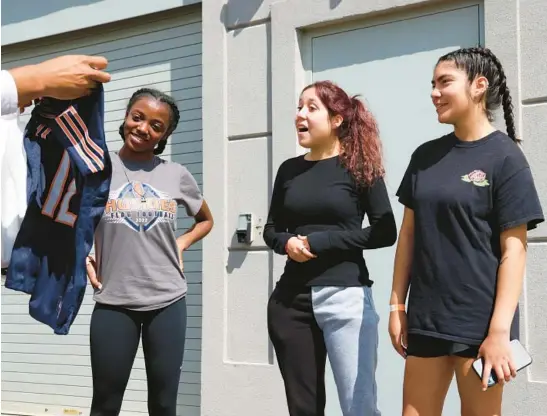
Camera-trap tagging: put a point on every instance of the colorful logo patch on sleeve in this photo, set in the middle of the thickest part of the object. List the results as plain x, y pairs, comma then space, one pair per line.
477, 178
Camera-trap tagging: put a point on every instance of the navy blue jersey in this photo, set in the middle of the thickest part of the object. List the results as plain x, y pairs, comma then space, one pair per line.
68, 182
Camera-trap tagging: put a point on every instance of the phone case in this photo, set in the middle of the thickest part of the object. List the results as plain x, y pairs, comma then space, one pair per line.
521, 359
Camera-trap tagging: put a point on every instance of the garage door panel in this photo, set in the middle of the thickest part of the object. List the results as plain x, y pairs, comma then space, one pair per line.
133, 391
174, 63
181, 43
150, 58
100, 40
120, 105
47, 400
166, 86
166, 75
179, 95
41, 370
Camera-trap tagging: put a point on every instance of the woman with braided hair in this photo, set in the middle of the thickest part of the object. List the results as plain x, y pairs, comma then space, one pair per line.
469, 200
140, 286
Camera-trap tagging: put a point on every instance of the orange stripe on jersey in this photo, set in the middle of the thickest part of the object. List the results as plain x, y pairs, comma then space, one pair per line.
76, 145
45, 133
79, 120
83, 141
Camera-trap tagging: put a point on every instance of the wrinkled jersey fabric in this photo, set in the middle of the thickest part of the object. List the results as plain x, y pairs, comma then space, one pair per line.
68, 181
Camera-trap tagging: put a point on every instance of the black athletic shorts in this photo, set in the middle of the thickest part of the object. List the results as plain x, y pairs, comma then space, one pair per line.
427, 347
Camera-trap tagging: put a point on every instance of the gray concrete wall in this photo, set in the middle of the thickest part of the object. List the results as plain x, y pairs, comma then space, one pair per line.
25, 20
526, 58
252, 73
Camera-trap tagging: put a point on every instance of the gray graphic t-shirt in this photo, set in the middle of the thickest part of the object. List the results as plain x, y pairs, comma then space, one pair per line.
135, 244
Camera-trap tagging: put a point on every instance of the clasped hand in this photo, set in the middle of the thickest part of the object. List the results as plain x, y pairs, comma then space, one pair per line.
298, 249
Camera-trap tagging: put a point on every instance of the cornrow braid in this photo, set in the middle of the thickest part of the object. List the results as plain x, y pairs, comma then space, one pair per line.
164, 98
482, 61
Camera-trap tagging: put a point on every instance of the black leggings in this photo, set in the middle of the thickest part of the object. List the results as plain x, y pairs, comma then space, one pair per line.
114, 337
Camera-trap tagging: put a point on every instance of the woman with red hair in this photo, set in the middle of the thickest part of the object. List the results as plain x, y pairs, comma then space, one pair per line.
322, 304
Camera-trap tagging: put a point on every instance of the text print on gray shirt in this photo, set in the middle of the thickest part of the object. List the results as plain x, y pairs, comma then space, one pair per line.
135, 241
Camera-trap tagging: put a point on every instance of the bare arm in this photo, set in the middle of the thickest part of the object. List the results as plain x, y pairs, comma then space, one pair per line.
510, 278
403, 260
65, 77
202, 227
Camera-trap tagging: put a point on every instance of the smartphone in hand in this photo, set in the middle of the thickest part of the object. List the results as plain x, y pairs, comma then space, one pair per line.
521, 358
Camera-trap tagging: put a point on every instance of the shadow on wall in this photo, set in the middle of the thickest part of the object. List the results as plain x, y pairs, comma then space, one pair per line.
19, 11
236, 13
236, 258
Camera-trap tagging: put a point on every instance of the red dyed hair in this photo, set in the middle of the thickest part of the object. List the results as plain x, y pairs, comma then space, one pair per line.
361, 149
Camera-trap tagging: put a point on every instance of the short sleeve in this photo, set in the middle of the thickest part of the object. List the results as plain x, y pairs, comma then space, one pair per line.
191, 194
8, 92
516, 200
406, 187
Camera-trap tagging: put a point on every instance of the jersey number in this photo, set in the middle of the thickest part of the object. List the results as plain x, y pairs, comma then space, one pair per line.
64, 216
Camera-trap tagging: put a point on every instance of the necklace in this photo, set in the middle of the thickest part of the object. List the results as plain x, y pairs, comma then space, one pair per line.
136, 186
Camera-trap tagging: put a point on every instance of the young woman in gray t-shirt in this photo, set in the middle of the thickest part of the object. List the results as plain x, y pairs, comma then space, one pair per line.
140, 287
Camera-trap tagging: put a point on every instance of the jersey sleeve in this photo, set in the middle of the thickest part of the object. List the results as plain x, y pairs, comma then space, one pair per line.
85, 143
191, 194
516, 200
381, 232
275, 230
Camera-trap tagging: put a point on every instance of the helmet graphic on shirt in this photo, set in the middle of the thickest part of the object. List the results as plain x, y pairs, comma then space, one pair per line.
138, 189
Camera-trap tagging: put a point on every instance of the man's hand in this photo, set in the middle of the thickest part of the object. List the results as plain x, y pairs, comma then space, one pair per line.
66, 77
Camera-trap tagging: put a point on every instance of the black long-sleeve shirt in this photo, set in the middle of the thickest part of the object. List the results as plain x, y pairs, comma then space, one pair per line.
319, 199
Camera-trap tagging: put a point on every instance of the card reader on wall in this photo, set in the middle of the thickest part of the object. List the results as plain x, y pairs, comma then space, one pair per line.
244, 231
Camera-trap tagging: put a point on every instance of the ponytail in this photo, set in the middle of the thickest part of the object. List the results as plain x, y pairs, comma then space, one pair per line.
361, 149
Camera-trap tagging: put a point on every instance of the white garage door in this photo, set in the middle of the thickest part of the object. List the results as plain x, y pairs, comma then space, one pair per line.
390, 63
43, 373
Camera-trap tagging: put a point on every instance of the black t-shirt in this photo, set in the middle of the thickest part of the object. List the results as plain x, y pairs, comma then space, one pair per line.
463, 194
319, 199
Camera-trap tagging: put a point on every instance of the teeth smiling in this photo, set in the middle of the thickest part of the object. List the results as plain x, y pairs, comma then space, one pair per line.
142, 139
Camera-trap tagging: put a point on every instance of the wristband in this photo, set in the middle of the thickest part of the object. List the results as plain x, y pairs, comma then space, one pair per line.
398, 307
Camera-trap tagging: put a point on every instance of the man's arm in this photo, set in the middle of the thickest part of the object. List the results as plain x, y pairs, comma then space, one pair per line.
66, 77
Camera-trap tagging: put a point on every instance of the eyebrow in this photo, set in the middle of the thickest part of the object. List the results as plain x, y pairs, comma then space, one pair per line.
441, 78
